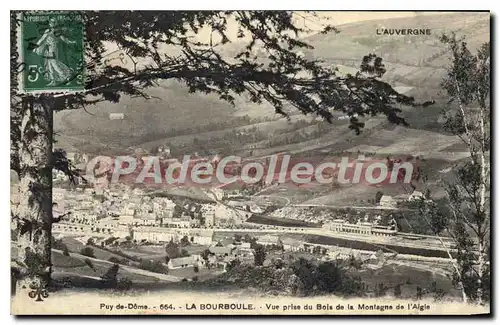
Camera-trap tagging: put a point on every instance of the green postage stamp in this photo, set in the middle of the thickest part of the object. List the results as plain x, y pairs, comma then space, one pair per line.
51, 46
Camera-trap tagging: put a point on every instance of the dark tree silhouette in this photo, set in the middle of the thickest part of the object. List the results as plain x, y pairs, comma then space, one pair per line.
90, 264
397, 291
259, 255
185, 241
172, 249
87, 251
110, 277
420, 293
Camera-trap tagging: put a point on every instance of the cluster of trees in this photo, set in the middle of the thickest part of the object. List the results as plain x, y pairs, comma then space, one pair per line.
230, 138
299, 277
87, 251
58, 244
304, 277
110, 279
174, 250
464, 213
153, 266
185, 241
259, 254
326, 277
117, 260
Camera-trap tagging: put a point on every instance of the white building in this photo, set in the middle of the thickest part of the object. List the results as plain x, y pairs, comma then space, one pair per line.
255, 209
116, 116
209, 218
268, 240
164, 151
121, 232
126, 220
416, 195
201, 237
292, 245
181, 262
220, 250
387, 201
153, 234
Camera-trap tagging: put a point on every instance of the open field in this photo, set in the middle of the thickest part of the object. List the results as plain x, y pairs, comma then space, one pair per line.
71, 265
189, 273
414, 142
75, 246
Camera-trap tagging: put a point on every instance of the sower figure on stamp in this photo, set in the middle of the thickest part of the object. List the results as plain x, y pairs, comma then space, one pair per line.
56, 71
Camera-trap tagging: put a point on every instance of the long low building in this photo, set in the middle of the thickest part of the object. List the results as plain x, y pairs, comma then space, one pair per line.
160, 234
362, 228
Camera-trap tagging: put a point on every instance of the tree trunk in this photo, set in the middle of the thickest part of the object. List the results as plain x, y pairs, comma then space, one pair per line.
35, 194
482, 202
480, 274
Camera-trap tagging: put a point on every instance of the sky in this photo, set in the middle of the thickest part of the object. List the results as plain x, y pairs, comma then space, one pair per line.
335, 18
346, 17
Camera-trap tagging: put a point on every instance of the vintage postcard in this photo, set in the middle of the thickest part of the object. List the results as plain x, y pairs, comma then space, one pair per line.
250, 163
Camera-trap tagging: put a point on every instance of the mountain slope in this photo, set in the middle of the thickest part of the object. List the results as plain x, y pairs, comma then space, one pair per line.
415, 65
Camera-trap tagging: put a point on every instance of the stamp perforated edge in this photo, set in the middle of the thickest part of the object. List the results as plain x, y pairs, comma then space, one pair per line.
20, 75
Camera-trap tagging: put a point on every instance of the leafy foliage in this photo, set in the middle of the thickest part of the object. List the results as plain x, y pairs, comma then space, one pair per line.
185, 241
110, 277
90, 264
281, 76
397, 291
465, 213
114, 260
173, 250
232, 264
124, 284
87, 251
58, 244
259, 254
299, 277
153, 266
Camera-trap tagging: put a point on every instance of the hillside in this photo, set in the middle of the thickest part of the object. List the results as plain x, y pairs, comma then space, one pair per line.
415, 65
415, 60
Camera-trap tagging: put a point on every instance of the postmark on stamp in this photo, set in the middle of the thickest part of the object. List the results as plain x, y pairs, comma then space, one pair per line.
51, 46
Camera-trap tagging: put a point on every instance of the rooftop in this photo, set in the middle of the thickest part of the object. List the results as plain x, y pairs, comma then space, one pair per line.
181, 261
220, 250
